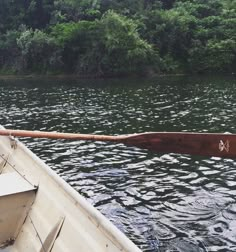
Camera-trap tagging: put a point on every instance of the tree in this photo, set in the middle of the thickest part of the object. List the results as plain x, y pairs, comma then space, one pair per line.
125, 50
111, 45
9, 51
39, 52
38, 13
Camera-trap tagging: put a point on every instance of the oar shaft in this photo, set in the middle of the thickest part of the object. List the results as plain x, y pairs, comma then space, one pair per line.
56, 135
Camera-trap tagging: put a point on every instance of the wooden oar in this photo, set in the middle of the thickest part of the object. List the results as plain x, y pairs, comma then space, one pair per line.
204, 144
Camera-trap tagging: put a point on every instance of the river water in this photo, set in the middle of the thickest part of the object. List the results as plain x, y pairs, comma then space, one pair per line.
163, 202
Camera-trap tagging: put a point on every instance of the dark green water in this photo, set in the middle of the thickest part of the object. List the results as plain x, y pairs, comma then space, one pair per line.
162, 202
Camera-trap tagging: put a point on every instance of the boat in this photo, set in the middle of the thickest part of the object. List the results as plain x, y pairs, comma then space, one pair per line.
40, 212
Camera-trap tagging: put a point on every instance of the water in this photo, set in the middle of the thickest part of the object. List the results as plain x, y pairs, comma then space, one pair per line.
163, 202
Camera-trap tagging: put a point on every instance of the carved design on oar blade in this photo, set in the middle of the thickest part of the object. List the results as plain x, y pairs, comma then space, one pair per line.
224, 146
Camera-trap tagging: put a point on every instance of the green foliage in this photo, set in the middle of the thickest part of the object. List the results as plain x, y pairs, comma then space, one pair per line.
111, 45
196, 36
108, 37
76, 41
215, 56
124, 50
38, 51
74, 10
9, 53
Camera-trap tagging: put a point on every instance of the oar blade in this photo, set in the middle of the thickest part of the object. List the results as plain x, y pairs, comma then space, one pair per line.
203, 144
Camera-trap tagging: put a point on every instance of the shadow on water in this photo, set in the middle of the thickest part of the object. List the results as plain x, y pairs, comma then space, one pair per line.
163, 202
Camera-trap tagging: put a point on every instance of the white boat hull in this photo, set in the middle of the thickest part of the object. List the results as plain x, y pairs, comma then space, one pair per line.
57, 217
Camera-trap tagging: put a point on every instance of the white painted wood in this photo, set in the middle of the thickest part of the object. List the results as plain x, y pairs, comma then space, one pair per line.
84, 228
12, 183
16, 197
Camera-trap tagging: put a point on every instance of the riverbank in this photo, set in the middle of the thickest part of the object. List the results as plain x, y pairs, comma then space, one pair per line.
78, 77
74, 77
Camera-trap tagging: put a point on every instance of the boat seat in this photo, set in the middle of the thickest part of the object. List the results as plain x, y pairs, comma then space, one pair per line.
16, 197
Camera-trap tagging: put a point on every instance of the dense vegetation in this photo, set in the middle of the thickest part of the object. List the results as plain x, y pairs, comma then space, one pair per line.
117, 37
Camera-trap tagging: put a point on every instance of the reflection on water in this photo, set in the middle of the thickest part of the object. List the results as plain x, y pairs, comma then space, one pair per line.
163, 202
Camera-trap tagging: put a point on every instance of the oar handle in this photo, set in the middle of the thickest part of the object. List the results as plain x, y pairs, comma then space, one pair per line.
56, 135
